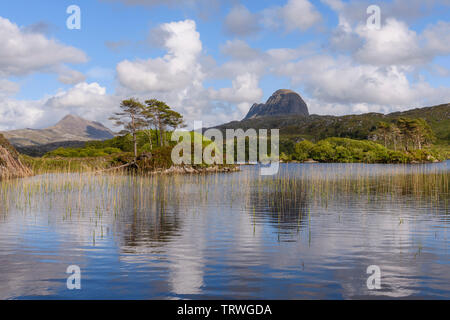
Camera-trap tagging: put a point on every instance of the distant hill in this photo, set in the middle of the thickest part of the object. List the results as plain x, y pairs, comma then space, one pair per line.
282, 103
315, 127
70, 129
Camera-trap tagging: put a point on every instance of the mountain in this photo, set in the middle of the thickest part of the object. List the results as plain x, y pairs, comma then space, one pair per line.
10, 164
282, 102
315, 127
70, 129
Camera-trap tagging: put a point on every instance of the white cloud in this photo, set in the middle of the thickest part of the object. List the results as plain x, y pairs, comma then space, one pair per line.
340, 82
295, 15
299, 14
437, 38
88, 100
177, 70
240, 21
240, 50
244, 89
18, 114
69, 76
8, 88
354, 12
393, 44
23, 53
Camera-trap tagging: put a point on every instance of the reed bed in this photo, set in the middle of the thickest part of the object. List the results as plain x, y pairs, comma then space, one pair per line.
105, 191
103, 199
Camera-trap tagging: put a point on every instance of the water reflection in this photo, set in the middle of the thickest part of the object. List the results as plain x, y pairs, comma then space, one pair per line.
309, 232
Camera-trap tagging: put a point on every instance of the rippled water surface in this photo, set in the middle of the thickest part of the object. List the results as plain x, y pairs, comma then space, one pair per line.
309, 232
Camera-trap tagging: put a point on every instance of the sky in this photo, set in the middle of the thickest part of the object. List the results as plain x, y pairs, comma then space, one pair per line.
211, 60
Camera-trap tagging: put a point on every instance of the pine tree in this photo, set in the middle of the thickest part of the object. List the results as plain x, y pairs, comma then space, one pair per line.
130, 119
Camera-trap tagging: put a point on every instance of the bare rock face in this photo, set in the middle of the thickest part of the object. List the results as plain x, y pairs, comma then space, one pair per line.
282, 102
10, 164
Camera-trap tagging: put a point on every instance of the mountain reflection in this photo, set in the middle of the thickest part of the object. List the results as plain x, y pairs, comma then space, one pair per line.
309, 232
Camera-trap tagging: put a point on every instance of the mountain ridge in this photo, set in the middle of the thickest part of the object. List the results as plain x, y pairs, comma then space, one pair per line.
357, 126
70, 128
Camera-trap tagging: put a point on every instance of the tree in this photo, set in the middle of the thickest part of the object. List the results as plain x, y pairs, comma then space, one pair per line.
150, 123
422, 133
404, 125
303, 150
415, 132
384, 129
131, 119
396, 135
162, 116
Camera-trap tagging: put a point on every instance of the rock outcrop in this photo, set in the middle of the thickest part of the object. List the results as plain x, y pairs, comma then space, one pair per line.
10, 164
283, 102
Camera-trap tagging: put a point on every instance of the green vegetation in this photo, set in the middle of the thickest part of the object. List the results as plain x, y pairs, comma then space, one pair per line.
402, 140
372, 138
294, 129
348, 150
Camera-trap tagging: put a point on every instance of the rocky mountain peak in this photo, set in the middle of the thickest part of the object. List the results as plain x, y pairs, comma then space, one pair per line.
282, 102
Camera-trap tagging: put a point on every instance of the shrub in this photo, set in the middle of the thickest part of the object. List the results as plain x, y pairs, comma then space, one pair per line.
303, 150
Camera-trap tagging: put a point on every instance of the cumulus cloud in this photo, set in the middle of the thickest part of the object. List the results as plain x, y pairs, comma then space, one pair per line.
370, 72
354, 11
244, 90
178, 77
361, 88
393, 44
17, 114
88, 100
175, 71
23, 52
437, 38
241, 22
295, 15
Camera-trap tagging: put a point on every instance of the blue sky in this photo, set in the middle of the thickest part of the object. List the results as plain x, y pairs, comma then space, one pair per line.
211, 60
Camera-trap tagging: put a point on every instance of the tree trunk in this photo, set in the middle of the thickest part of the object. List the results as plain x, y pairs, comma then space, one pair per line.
133, 124
160, 133
135, 147
150, 140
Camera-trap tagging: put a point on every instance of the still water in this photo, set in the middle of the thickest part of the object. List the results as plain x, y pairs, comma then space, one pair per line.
309, 232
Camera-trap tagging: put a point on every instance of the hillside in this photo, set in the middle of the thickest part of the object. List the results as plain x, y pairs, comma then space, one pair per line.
70, 128
10, 164
315, 127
